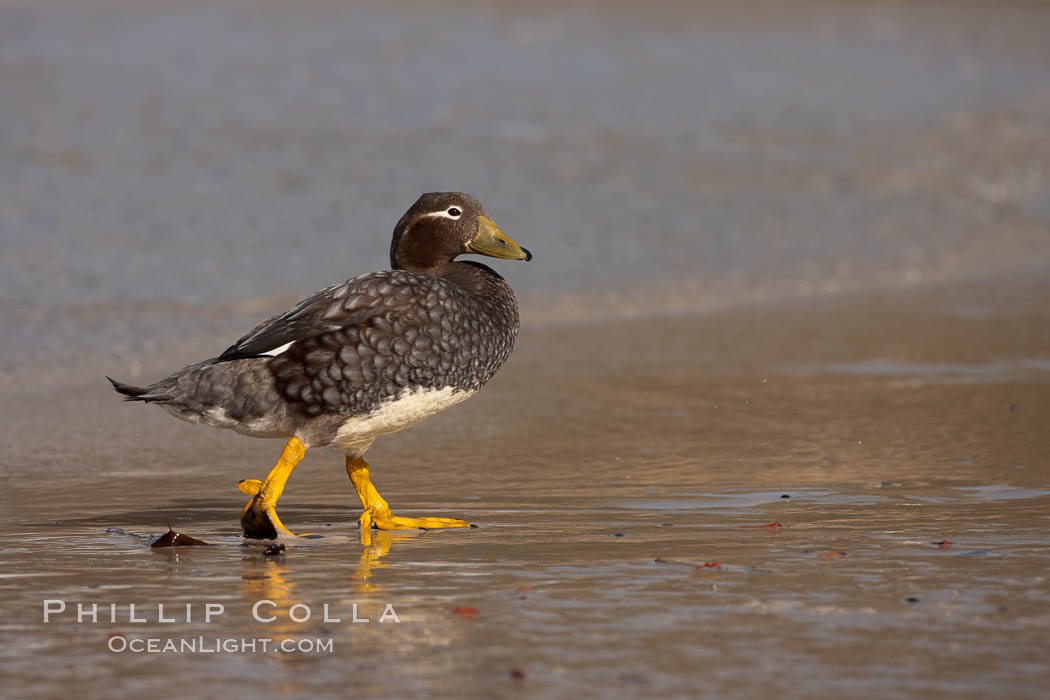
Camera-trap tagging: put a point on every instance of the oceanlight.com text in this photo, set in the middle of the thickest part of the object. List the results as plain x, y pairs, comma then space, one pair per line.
120, 644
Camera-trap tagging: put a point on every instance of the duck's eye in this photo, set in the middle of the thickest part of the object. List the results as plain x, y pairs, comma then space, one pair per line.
454, 212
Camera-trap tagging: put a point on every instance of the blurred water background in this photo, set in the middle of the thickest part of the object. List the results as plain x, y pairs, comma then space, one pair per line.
665, 157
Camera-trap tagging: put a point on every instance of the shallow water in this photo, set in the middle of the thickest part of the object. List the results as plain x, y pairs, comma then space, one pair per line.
776, 424
850, 597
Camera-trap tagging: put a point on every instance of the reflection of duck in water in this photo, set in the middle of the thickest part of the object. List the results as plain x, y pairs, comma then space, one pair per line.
270, 581
375, 546
264, 579
365, 358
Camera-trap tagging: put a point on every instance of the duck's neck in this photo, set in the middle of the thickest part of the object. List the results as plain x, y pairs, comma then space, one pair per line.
486, 286
470, 275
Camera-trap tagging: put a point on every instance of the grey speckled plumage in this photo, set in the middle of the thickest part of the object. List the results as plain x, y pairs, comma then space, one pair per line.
430, 324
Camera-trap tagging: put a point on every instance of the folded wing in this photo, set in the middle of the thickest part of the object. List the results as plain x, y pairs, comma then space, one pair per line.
351, 303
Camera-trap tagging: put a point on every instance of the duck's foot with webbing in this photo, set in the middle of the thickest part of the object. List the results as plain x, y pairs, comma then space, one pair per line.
376, 511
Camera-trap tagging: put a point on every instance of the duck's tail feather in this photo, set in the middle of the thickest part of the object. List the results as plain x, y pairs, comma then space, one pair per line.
150, 394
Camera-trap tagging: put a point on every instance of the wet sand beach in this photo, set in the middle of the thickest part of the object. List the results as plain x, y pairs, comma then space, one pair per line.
777, 420
626, 493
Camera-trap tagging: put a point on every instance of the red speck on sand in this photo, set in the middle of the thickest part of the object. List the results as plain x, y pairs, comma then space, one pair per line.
466, 613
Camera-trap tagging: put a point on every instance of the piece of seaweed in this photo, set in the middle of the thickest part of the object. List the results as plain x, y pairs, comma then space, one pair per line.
176, 539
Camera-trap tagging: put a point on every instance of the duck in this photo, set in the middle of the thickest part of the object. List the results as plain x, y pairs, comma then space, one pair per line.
365, 358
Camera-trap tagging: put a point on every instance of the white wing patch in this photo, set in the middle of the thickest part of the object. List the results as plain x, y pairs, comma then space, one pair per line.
277, 351
409, 408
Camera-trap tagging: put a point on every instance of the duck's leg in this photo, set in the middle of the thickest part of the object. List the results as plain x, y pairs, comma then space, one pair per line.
377, 512
259, 518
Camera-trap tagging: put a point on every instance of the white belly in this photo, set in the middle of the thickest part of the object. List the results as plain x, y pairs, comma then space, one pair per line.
409, 408
218, 417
